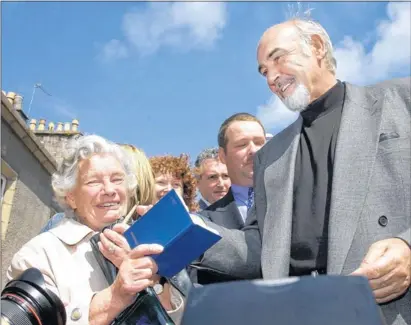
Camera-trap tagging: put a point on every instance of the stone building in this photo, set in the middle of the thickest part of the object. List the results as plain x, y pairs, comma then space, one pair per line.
29, 156
55, 137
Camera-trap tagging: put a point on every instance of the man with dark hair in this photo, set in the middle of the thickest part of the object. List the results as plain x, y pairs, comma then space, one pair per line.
239, 138
212, 177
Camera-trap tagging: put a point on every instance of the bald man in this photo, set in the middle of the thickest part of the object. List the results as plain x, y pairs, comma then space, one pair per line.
332, 190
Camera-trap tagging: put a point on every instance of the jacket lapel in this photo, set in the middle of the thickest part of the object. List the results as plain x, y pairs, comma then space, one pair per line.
354, 158
237, 219
228, 214
202, 204
278, 180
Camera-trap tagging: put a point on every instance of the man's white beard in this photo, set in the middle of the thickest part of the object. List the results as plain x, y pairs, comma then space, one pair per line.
298, 100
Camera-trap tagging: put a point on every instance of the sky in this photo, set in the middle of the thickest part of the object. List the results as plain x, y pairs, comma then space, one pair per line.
163, 76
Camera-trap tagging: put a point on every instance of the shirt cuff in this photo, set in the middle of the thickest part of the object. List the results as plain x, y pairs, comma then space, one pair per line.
177, 303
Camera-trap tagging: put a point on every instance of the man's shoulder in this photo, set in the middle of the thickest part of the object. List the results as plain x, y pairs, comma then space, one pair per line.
278, 144
221, 203
400, 84
395, 88
395, 93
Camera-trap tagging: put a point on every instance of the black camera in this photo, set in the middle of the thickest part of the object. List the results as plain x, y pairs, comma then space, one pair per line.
27, 301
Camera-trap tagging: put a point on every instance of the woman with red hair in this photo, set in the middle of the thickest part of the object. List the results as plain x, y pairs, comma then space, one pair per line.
172, 172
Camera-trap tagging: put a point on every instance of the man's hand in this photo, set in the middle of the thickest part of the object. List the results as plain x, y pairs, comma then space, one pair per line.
387, 266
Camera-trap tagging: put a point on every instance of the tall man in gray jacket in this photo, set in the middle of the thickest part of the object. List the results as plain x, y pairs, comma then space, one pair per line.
332, 191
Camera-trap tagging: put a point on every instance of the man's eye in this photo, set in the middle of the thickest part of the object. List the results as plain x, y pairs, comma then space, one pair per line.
177, 185
279, 57
92, 182
118, 180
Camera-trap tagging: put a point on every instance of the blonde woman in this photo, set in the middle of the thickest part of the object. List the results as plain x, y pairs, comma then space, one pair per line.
145, 194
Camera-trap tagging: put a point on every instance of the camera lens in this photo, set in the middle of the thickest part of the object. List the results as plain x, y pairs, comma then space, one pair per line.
14, 314
26, 301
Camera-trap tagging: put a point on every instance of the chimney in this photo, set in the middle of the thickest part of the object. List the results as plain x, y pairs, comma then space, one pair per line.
18, 102
11, 96
33, 123
42, 125
67, 126
18, 106
74, 125
51, 126
59, 127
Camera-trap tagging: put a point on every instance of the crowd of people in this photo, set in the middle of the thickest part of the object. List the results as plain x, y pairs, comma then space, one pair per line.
330, 194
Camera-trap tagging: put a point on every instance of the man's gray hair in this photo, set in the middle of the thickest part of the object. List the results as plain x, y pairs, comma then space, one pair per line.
307, 27
209, 153
81, 148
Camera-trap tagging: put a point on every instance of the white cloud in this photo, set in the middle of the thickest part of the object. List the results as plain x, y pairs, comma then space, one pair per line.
114, 49
275, 116
389, 55
180, 25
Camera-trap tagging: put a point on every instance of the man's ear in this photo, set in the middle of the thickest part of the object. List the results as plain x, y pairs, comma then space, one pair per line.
70, 200
318, 46
221, 155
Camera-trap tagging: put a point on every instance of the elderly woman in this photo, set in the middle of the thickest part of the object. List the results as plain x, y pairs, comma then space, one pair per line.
175, 173
94, 186
145, 191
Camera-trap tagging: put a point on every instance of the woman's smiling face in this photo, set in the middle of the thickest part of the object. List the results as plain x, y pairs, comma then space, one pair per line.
100, 195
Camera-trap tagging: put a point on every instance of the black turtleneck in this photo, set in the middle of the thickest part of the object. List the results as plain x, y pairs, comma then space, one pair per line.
312, 182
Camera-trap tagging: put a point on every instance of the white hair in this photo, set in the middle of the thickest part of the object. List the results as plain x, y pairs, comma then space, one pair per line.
307, 27
78, 149
299, 100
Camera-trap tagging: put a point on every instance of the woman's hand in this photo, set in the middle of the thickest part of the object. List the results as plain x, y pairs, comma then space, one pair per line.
141, 210
113, 245
136, 273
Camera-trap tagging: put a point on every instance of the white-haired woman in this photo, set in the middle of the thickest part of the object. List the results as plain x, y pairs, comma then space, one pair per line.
93, 185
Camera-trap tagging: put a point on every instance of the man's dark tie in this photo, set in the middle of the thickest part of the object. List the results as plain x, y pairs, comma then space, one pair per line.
250, 200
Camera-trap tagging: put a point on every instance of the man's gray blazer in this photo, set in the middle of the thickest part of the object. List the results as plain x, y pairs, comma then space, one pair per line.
224, 212
370, 198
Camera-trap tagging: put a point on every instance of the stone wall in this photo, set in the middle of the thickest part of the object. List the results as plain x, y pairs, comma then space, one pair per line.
32, 204
54, 144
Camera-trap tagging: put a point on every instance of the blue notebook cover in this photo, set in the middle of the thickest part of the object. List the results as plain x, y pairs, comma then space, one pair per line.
169, 224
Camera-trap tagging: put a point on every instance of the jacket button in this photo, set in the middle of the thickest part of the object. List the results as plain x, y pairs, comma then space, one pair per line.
75, 314
383, 221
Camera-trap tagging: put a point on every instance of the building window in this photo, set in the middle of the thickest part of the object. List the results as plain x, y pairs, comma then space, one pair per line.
3, 185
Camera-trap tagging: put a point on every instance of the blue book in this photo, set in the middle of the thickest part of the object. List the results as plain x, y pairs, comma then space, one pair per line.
169, 224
